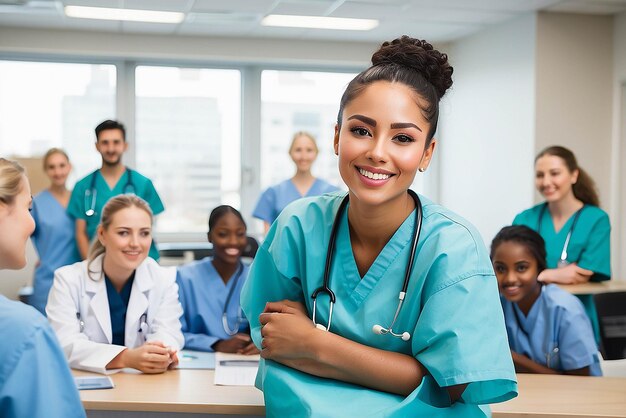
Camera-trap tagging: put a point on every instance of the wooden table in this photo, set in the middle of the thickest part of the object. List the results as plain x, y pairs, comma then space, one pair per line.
592, 288
183, 393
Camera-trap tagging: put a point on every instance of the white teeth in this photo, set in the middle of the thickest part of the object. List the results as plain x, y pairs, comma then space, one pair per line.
373, 176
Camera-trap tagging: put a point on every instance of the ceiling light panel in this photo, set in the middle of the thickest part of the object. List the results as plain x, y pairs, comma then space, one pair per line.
319, 22
133, 15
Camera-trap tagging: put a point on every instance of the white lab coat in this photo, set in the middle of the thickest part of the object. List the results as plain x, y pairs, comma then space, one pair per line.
154, 293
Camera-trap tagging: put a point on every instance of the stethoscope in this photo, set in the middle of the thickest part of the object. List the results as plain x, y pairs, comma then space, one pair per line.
240, 318
563, 260
325, 288
143, 323
91, 193
552, 349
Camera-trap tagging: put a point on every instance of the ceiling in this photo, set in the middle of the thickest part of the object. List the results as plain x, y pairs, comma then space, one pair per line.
435, 20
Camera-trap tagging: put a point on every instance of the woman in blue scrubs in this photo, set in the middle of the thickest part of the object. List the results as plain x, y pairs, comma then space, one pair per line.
35, 380
446, 353
576, 231
303, 151
548, 329
54, 231
209, 289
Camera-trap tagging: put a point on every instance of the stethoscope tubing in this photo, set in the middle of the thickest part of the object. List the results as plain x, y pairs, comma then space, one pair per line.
225, 323
93, 192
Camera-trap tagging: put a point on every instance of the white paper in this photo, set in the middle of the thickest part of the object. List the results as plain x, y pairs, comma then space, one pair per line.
235, 369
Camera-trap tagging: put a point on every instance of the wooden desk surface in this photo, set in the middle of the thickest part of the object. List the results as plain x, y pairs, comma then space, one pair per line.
555, 396
591, 288
192, 391
189, 391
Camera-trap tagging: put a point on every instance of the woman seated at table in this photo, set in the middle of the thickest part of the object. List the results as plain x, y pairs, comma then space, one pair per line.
210, 288
118, 308
548, 330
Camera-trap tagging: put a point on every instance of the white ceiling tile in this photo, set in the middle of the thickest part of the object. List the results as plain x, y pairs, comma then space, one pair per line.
161, 5
243, 6
148, 28
300, 8
98, 3
595, 7
493, 5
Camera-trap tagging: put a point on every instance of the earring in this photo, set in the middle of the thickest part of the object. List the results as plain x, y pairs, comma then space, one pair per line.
421, 169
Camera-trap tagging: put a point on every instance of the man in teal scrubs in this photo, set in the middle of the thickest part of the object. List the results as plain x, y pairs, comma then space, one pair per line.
92, 192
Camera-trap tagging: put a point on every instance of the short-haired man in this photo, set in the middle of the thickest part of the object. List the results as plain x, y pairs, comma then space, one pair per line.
112, 179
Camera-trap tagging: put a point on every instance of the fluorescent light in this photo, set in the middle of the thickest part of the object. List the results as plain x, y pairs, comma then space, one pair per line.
105, 13
319, 22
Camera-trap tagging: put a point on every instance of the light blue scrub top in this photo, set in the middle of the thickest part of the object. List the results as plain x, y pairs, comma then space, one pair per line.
589, 245
274, 199
55, 242
451, 309
203, 295
556, 333
35, 380
80, 202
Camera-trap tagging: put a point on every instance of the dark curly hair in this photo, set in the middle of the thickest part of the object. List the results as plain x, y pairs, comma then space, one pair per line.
412, 62
525, 236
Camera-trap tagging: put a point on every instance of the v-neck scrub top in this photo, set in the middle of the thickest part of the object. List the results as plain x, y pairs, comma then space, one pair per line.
556, 333
55, 242
276, 198
203, 295
452, 310
590, 242
79, 202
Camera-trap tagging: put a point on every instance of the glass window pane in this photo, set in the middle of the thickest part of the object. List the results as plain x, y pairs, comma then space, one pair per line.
188, 140
44, 105
295, 101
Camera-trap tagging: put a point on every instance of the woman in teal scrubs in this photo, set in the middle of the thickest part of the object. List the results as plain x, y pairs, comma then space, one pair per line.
54, 232
576, 231
35, 380
449, 355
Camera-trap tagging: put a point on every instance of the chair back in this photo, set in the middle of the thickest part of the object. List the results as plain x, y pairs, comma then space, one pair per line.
611, 310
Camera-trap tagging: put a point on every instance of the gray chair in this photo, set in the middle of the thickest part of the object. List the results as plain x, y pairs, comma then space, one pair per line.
611, 310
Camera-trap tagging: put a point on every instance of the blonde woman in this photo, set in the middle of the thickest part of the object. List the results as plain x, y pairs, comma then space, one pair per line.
34, 378
303, 152
118, 308
54, 232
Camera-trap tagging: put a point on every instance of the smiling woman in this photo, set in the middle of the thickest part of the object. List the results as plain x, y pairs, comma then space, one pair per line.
118, 308
315, 314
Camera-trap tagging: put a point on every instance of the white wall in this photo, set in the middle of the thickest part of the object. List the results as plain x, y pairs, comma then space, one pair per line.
618, 174
488, 125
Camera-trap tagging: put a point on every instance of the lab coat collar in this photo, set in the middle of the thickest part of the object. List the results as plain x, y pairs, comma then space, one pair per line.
99, 302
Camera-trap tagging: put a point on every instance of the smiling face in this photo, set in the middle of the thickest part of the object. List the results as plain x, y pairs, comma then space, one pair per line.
517, 270
127, 239
303, 152
57, 168
111, 146
16, 225
553, 178
229, 238
382, 142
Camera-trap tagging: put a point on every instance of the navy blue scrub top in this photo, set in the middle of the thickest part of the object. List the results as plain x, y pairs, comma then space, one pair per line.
118, 304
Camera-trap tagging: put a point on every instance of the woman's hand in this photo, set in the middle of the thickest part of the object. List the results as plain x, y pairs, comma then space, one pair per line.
570, 274
152, 357
234, 344
287, 332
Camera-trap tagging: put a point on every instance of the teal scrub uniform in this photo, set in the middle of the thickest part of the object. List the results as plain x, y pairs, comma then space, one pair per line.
589, 245
35, 380
81, 201
451, 309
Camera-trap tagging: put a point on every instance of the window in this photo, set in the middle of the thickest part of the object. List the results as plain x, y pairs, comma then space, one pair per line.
188, 140
44, 105
299, 101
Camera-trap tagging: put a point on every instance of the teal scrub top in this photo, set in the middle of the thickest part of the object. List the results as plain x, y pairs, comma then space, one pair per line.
35, 380
590, 242
81, 201
452, 310
589, 245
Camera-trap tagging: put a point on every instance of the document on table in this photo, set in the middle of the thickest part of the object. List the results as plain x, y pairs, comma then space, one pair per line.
235, 369
188, 359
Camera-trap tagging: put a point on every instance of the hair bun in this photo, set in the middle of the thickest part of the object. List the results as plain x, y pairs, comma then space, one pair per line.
420, 56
